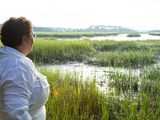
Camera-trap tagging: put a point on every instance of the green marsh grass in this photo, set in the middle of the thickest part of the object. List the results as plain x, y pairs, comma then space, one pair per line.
134, 35
111, 45
127, 59
122, 83
74, 99
49, 51
73, 34
135, 54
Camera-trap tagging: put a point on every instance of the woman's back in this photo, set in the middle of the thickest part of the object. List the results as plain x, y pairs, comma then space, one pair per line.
23, 90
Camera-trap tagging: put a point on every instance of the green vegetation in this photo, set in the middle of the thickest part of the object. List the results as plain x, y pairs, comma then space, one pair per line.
72, 99
73, 34
128, 54
155, 34
48, 51
134, 59
133, 35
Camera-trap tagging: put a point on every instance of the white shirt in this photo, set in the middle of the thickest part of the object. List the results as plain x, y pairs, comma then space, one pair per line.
23, 90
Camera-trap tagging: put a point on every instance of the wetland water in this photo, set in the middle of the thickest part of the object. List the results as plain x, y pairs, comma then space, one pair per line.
88, 72
118, 37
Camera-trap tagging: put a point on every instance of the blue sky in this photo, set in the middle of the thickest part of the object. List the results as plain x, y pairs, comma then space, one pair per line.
136, 14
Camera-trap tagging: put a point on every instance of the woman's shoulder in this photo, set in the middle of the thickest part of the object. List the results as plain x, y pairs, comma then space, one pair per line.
16, 70
16, 65
16, 62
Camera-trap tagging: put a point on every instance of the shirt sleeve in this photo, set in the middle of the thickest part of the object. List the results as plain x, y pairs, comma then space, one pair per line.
16, 90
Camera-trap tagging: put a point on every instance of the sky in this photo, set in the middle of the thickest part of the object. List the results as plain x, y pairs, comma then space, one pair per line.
133, 14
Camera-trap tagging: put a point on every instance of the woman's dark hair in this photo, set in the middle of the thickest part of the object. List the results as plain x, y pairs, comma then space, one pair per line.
13, 30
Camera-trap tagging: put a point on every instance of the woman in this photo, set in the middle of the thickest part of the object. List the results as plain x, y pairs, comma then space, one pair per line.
23, 90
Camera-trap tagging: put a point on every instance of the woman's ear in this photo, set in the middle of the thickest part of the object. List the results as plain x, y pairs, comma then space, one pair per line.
24, 38
27, 41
